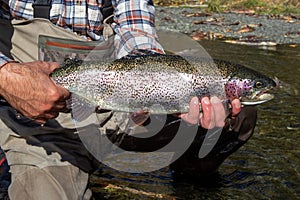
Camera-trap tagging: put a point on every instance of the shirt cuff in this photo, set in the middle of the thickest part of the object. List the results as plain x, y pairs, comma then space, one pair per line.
4, 59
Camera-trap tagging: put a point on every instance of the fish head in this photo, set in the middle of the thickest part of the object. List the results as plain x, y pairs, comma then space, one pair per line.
251, 87
67, 73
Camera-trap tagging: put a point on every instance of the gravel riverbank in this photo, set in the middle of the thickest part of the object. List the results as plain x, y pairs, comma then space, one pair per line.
235, 27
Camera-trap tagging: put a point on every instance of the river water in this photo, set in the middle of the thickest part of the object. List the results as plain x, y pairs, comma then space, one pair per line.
267, 167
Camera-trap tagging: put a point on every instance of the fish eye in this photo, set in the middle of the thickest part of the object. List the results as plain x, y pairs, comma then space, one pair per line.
259, 84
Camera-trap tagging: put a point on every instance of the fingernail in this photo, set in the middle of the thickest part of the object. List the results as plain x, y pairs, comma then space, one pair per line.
206, 101
215, 100
196, 101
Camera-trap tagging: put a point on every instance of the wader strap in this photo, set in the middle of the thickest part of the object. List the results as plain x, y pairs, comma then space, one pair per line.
41, 9
107, 9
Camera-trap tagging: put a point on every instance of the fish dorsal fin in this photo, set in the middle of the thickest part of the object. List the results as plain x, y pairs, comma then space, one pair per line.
81, 107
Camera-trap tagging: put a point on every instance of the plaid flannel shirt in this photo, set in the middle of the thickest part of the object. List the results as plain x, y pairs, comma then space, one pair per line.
133, 21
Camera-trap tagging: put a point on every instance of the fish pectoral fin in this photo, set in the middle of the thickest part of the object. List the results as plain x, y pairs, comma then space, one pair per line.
81, 108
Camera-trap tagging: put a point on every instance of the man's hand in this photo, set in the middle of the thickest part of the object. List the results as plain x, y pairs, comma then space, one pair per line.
28, 88
213, 115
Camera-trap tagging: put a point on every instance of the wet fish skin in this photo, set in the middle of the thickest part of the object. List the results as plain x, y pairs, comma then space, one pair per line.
161, 84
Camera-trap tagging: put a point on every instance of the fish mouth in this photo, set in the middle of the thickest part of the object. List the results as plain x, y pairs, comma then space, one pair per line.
258, 98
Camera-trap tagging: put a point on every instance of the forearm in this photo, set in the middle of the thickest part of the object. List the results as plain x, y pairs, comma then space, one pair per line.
134, 27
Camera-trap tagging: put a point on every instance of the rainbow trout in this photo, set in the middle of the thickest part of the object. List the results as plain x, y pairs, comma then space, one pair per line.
160, 84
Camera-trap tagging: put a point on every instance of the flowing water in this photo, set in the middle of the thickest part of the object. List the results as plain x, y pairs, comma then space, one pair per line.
266, 167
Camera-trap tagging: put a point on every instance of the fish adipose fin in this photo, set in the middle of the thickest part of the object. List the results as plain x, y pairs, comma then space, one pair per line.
81, 108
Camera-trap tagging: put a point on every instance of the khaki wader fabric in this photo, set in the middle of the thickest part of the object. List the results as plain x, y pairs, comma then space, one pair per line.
25, 33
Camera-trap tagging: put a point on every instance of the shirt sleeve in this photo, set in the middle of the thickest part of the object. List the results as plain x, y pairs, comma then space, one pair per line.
134, 26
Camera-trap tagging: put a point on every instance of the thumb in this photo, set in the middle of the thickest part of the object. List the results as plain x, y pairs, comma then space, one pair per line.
49, 67
53, 66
